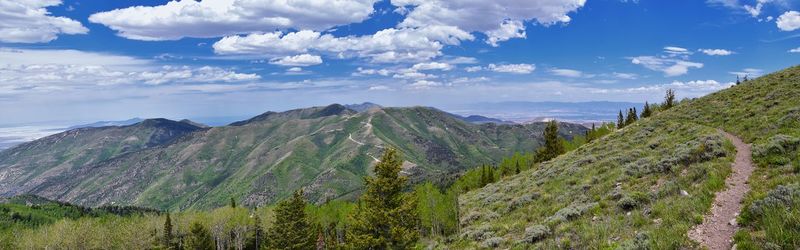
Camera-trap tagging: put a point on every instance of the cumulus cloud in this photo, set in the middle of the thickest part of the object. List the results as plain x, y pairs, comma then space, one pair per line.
386, 46
500, 20
298, 60
789, 21
795, 50
716, 52
23, 21
669, 66
473, 69
432, 66
512, 68
566, 72
215, 18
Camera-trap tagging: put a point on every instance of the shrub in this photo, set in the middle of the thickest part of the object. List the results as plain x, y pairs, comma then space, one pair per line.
627, 203
492, 242
536, 233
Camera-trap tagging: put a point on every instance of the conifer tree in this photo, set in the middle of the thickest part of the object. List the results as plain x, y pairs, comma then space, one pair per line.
387, 217
647, 112
199, 238
669, 99
516, 169
552, 145
233, 203
620, 121
737, 80
291, 229
168, 239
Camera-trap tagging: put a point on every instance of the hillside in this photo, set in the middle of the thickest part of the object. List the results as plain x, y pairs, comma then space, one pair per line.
649, 183
325, 150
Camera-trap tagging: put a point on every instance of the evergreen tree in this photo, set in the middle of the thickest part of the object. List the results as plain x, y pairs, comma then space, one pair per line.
291, 230
552, 145
484, 177
233, 203
516, 169
647, 112
387, 217
620, 120
746, 79
168, 238
669, 99
737, 80
199, 238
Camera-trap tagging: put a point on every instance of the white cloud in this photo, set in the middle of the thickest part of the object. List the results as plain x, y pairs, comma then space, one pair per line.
432, 66
500, 20
49, 70
303, 60
386, 46
686, 89
506, 31
379, 88
716, 52
670, 66
294, 69
626, 76
424, 84
789, 21
749, 72
512, 68
473, 69
566, 72
676, 51
215, 18
25, 21
795, 50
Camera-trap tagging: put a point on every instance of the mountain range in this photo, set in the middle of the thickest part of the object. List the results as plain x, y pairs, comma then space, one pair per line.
167, 164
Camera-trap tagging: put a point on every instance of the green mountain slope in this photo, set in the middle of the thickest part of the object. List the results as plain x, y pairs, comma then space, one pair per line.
325, 150
648, 184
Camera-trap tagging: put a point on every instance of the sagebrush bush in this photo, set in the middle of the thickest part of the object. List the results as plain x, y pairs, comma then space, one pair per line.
536, 233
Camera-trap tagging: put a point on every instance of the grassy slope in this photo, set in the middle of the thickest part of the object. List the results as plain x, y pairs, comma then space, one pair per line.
607, 201
602, 194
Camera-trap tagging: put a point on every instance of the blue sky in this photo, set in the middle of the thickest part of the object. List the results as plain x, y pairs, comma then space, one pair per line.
105, 60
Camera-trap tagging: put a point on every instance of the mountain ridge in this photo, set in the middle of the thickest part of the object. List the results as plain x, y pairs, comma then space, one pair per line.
325, 150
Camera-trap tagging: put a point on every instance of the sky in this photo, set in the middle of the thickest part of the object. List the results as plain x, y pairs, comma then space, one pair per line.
77, 60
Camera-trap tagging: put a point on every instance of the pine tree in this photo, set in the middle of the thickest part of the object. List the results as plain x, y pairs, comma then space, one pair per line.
620, 121
745, 78
669, 99
167, 238
233, 203
291, 230
199, 238
635, 114
737, 80
387, 217
647, 112
516, 169
552, 145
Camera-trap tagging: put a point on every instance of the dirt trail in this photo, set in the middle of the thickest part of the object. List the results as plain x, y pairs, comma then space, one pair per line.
718, 228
